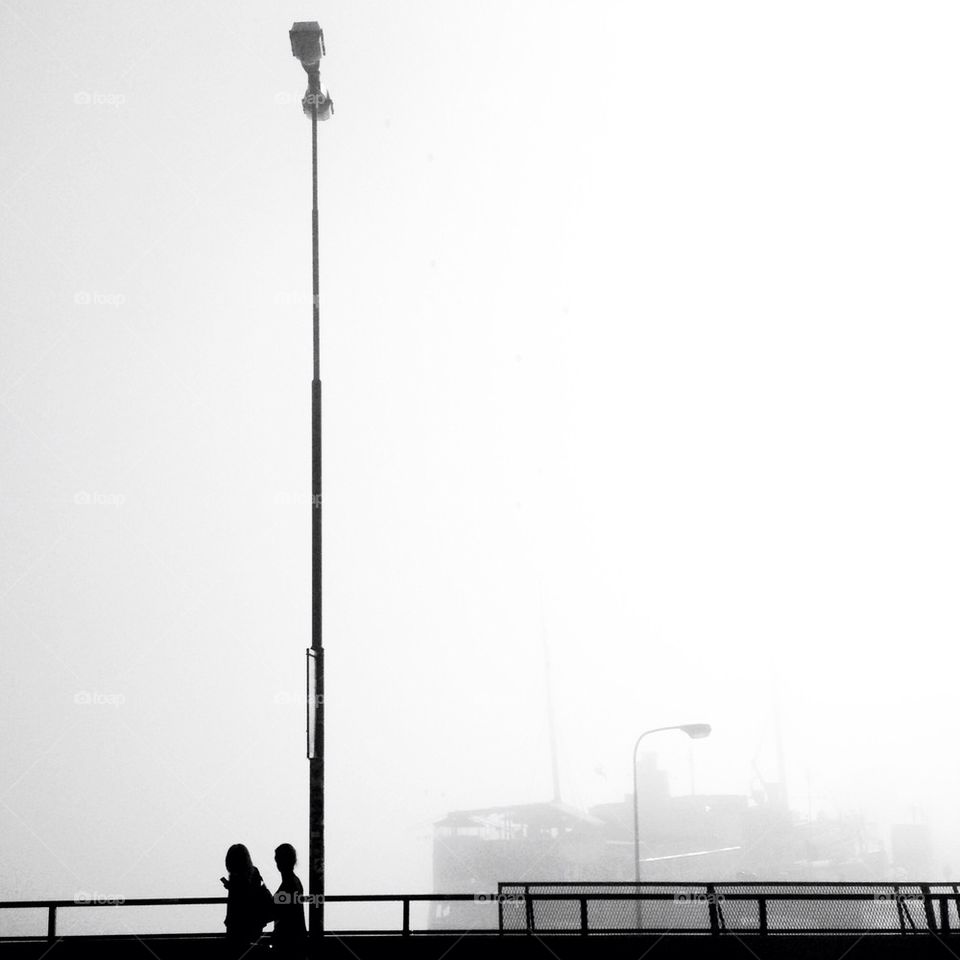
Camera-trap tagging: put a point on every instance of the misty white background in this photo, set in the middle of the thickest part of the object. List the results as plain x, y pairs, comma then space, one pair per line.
647, 309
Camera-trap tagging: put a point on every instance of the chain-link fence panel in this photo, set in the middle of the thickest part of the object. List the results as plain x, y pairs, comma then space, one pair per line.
741, 908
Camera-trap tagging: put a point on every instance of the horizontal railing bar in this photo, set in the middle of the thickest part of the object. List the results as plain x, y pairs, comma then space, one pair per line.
412, 897
720, 897
265, 937
213, 901
36, 938
438, 932
629, 890
724, 883
539, 897
730, 931
115, 902
695, 897
564, 931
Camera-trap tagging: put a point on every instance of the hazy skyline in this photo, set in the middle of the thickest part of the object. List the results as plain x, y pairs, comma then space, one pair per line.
647, 310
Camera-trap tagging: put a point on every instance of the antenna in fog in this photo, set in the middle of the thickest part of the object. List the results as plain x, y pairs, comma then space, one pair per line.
551, 718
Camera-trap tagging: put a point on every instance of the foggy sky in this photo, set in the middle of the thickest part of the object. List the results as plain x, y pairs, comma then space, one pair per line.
648, 310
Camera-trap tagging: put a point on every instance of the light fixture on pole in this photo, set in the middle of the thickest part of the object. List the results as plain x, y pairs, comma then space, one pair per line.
306, 42
696, 731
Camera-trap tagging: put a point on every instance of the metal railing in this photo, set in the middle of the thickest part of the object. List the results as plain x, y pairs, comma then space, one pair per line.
736, 908
709, 909
404, 900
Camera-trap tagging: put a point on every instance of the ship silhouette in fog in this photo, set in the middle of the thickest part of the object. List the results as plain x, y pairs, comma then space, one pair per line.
686, 838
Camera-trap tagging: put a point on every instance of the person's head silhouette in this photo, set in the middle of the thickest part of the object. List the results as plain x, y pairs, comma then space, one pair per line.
286, 858
238, 862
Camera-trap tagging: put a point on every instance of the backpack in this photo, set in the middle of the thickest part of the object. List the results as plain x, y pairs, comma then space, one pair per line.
262, 907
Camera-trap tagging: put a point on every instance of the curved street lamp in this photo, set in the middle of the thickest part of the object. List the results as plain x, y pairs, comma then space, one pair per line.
696, 731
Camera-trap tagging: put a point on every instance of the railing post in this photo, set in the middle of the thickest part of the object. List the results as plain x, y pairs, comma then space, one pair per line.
52, 922
944, 916
499, 909
928, 908
712, 907
583, 916
406, 916
529, 907
762, 912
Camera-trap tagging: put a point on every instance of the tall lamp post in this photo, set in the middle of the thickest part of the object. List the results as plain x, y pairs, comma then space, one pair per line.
696, 731
306, 42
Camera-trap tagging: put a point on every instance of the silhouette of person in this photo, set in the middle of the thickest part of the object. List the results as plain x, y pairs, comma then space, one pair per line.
249, 904
289, 929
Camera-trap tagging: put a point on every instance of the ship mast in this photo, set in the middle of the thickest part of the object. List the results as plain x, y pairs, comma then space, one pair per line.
778, 739
551, 718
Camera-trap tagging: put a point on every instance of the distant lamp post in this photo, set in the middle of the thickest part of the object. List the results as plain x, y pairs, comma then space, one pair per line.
696, 731
306, 42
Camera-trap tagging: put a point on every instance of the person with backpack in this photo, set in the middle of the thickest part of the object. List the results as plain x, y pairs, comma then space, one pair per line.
249, 903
